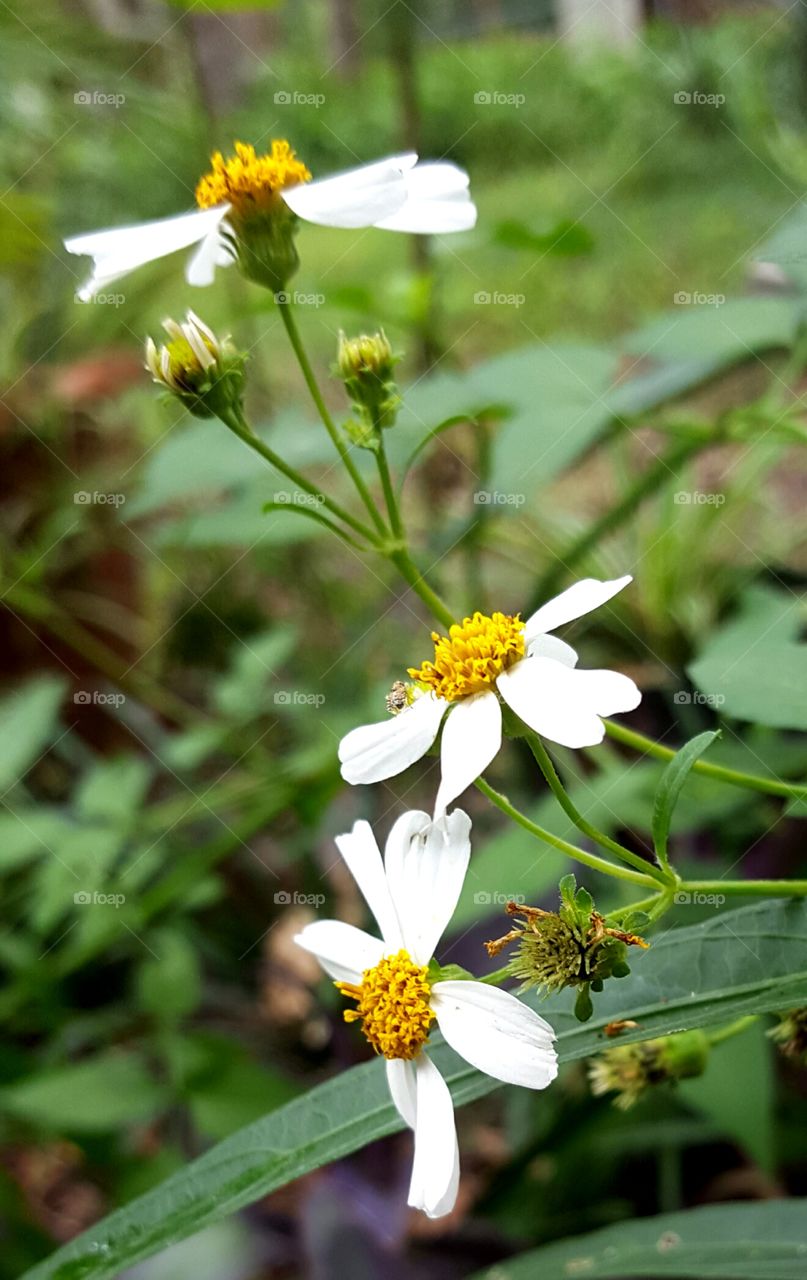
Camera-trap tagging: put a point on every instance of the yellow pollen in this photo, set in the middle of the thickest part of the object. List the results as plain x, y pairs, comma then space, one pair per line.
472, 655
393, 1005
250, 182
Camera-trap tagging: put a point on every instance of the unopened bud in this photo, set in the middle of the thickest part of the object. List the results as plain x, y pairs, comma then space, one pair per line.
365, 365
790, 1033
630, 1070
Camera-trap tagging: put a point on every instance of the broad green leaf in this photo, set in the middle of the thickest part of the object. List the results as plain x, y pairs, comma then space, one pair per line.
727, 330
748, 961
168, 980
746, 1241
113, 791
670, 786
95, 1096
28, 718
754, 667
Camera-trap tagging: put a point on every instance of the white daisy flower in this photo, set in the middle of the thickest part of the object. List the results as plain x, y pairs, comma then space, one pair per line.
482, 660
412, 895
397, 193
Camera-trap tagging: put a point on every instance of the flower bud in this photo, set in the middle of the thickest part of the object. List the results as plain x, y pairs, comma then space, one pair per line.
790, 1033
365, 365
203, 372
629, 1070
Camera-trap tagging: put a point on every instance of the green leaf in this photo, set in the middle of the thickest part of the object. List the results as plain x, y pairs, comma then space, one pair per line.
670, 786
728, 331
754, 668
566, 239
28, 717
736, 1092
95, 1096
168, 981
748, 961
723, 1242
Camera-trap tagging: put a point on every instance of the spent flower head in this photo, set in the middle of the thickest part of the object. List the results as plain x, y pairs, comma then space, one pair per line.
571, 947
629, 1070
204, 372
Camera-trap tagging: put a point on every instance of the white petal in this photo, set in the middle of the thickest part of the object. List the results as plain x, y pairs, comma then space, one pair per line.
403, 1087
551, 647
437, 200
357, 198
377, 751
343, 950
436, 1166
119, 250
212, 252
472, 735
363, 857
584, 596
426, 864
496, 1033
563, 704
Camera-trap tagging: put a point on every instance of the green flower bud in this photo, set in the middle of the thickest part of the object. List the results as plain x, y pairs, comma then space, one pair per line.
790, 1033
203, 372
365, 365
629, 1070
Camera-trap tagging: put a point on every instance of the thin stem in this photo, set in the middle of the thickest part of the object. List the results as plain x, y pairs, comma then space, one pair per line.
591, 860
746, 888
733, 1029
498, 975
239, 426
409, 570
396, 522
735, 777
290, 324
567, 804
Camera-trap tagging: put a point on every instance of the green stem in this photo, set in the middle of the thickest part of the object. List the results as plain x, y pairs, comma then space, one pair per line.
290, 324
409, 570
239, 426
746, 888
733, 1029
396, 522
591, 860
735, 777
498, 975
567, 804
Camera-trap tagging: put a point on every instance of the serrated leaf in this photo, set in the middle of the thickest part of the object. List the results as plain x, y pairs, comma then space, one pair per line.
670, 787
748, 961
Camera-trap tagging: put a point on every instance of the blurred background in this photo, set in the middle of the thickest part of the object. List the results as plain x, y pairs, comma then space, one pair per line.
179, 666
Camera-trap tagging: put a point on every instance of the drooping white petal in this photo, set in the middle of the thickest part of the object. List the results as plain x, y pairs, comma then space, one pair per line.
472, 736
343, 950
577, 600
437, 201
496, 1033
357, 198
426, 864
436, 1166
118, 250
213, 252
363, 858
565, 704
402, 1083
551, 647
377, 751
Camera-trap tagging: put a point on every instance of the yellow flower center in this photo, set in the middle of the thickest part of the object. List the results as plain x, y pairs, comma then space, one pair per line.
472, 655
393, 1005
250, 182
